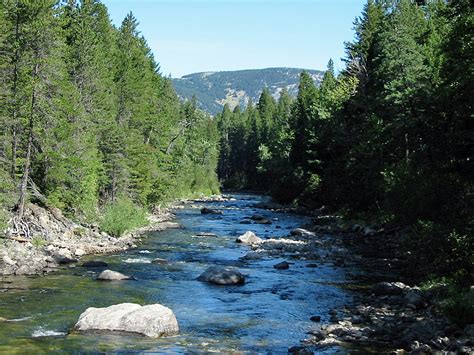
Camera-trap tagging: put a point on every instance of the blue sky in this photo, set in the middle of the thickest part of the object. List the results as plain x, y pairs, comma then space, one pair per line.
189, 36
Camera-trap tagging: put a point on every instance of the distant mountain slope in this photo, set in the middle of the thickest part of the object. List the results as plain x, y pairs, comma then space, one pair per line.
214, 89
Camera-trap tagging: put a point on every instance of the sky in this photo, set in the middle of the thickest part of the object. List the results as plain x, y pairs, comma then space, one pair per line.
189, 36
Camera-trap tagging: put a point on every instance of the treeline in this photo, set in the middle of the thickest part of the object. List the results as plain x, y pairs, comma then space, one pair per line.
389, 139
86, 118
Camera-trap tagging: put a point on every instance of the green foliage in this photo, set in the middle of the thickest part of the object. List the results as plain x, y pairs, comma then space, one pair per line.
455, 298
388, 139
121, 216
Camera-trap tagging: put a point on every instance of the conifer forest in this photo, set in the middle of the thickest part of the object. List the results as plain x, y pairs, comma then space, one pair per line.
98, 153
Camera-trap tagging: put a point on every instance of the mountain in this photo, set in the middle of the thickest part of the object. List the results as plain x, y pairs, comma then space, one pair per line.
214, 89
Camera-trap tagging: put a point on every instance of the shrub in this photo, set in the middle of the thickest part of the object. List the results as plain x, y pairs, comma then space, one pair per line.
121, 216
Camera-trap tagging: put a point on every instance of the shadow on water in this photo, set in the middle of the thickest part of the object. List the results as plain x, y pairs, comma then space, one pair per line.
268, 314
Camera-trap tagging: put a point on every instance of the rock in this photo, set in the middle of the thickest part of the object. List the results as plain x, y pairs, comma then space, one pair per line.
220, 275
368, 232
414, 297
339, 262
206, 210
300, 232
315, 319
332, 312
3, 319
318, 334
469, 331
152, 320
245, 221
312, 265
263, 221
95, 263
254, 255
257, 217
159, 261
281, 266
389, 288
299, 350
205, 234
65, 260
79, 252
249, 238
109, 275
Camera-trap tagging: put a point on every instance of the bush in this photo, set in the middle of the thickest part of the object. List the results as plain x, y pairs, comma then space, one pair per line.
122, 216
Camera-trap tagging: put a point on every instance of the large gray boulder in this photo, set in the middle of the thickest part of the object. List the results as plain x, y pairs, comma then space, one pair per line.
152, 320
109, 275
249, 238
220, 275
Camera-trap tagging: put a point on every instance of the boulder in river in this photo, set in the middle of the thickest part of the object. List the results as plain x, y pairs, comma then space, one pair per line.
248, 238
109, 275
206, 210
263, 221
95, 263
220, 275
300, 232
257, 217
281, 266
159, 261
152, 320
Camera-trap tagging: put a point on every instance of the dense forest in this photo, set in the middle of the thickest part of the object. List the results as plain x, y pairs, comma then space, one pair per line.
388, 140
88, 124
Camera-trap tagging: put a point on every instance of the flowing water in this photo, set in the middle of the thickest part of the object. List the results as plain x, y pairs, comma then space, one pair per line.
268, 314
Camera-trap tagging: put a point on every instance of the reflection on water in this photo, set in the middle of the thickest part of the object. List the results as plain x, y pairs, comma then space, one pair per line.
269, 313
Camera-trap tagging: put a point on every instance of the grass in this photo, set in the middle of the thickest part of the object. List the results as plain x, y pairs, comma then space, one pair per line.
122, 216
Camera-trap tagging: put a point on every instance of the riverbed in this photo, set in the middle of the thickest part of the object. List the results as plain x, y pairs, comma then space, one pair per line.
269, 313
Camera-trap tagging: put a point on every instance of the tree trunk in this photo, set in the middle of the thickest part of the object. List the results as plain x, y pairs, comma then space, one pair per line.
15, 101
26, 170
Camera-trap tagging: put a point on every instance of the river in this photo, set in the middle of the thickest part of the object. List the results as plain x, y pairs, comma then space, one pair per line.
270, 313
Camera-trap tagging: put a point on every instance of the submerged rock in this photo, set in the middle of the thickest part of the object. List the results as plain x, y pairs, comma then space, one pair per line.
263, 221
221, 275
95, 263
109, 275
281, 266
257, 217
300, 350
152, 320
206, 210
249, 238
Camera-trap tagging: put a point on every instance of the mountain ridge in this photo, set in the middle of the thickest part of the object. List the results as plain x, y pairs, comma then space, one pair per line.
214, 89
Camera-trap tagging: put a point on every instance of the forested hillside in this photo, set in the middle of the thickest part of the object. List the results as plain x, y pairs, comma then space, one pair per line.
213, 90
388, 140
87, 120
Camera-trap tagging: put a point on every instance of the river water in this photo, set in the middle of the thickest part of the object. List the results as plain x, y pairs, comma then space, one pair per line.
270, 313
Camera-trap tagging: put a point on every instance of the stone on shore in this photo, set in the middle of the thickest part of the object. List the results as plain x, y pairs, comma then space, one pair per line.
389, 288
220, 275
152, 320
249, 238
109, 275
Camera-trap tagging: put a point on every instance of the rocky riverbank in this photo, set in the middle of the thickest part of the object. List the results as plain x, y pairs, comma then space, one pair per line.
54, 240
388, 316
